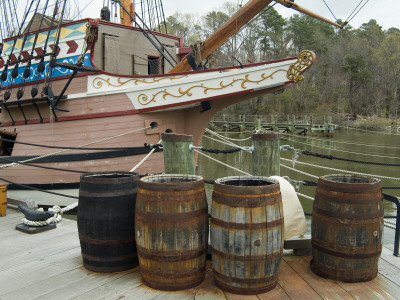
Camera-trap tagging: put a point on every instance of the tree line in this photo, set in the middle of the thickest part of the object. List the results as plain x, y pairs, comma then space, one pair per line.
357, 70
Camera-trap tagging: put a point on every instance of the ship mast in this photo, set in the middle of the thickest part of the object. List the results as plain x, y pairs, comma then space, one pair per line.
232, 26
292, 5
125, 17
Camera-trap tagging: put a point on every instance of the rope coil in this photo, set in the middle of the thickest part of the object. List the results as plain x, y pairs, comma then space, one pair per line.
58, 212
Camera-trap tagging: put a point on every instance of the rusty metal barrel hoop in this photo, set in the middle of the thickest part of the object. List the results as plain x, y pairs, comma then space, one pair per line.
105, 219
347, 227
172, 231
246, 233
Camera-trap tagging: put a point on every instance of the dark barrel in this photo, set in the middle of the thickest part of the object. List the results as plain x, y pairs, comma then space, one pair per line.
246, 234
172, 231
347, 227
106, 220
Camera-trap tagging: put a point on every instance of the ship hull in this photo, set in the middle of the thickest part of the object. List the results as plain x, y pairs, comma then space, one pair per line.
117, 114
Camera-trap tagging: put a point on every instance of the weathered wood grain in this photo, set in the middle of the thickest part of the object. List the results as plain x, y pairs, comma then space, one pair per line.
266, 154
53, 266
326, 288
295, 286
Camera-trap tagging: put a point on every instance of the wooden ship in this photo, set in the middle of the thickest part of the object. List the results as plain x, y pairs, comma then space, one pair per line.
97, 91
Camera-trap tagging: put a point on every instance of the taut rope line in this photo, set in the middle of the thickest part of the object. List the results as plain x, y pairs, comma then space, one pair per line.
145, 158
340, 170
81, 146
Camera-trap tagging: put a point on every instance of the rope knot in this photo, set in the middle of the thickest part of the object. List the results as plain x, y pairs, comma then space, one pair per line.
56, 209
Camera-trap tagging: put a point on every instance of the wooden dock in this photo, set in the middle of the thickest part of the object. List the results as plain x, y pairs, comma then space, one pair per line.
291, 124
48, 265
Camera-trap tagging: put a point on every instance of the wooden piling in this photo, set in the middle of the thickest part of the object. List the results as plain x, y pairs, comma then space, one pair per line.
178, 159
266, 154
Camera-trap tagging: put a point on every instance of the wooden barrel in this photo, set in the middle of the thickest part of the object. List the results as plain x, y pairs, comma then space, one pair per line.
347, 227
106, 220
172, 231
246, 234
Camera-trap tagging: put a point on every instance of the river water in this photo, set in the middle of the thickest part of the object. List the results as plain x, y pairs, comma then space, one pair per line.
365, 146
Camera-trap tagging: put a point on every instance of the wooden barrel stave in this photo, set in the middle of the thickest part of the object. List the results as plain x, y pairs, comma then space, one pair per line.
246, 239
347, 228
172, 231
105, 219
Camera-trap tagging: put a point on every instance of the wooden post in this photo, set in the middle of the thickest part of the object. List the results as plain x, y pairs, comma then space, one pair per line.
266, 154
258, 124
178, 158
3, 200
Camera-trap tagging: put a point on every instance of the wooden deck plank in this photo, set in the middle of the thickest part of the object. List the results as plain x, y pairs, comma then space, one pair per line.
50, 264
389, 271
35, 270
115, 289
294, 285
21, 240
326, 288
35, 279
231, 296
73, 281
277, 294
142, 292
178, 295
26, 253
10, 235
378, 288
208, 289
11, 216
387, 255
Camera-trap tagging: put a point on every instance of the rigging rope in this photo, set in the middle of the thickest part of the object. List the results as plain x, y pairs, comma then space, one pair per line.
145, 158
298, 171
221, 141
36, 189
71, 148
48, 80
345, 142
217, 151
340, 170
4, 74
373, 131
41, 167
224, 137
220, 162
331, 157
81, 146
340, 150
330, 10
350, 16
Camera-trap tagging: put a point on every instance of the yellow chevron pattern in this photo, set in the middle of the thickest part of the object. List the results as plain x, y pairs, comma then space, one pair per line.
73, 31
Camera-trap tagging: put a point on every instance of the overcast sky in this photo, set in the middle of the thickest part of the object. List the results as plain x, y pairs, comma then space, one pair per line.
386, 12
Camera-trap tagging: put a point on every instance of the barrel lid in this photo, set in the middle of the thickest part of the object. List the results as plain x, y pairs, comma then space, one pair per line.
109, 176
350, 183
176, 137
268, 136
169, 182
247, 185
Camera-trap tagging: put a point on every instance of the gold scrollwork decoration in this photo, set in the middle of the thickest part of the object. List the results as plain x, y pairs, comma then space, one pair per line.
143, 99
304, 61
98, 81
